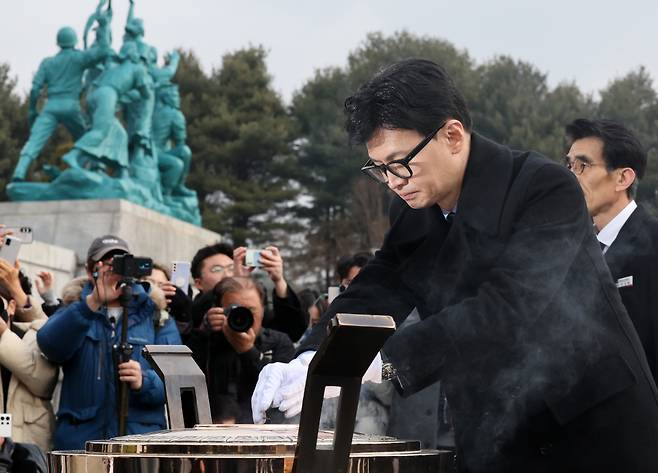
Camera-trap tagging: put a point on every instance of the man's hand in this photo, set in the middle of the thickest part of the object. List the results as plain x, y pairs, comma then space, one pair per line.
272, 262
239, 269
169, 290
105, 288
131, 372
241, 342
215, 319
281, 385
44, 282
10, 281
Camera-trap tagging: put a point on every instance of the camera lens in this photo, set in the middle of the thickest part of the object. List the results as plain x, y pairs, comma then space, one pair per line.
240, 319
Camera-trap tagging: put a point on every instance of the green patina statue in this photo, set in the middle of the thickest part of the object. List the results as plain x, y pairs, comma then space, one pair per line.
174, 155
146, 162
61, 75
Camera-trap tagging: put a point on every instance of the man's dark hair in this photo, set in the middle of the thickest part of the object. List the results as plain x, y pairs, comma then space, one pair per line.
346, 262
25, 283
4, 292
207, 252
343, 266
621, 148
413, 94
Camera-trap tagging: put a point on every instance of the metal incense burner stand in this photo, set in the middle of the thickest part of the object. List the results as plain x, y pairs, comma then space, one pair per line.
193, 445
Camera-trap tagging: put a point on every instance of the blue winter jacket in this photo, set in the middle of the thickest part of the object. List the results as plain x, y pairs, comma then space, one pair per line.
81, 341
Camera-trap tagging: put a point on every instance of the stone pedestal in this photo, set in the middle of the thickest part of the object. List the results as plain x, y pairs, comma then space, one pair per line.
73, 224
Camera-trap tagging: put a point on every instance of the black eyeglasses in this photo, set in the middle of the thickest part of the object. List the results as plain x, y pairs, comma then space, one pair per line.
577, 166
398, 167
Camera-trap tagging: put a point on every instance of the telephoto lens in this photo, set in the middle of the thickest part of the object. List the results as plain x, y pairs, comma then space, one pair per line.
240, 319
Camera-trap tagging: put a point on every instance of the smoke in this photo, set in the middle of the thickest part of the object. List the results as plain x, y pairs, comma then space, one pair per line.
499, 383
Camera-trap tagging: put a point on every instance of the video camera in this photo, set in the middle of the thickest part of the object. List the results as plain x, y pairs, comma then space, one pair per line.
130, 266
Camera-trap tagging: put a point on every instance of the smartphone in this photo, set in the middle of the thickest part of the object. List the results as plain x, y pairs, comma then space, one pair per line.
332, 293
252, 258
180, 274
25, 234
9, 249
5, 425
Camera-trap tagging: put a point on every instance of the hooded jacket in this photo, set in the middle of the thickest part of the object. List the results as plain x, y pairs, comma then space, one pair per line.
81, 340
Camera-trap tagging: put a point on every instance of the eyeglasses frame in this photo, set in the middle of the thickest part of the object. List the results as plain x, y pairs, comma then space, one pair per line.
384, 167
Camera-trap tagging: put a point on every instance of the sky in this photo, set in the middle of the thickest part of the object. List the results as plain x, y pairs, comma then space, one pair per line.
588, 42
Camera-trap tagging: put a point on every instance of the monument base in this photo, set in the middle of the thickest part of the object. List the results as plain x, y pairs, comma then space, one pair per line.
82, 184
73, 224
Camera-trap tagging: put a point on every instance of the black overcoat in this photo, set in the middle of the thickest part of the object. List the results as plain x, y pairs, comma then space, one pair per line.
543, 369
633, 262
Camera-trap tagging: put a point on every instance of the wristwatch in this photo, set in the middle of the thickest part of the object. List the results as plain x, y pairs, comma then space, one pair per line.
389, 372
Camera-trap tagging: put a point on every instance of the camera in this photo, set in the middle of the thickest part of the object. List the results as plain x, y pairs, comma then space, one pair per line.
130, 266
239, 318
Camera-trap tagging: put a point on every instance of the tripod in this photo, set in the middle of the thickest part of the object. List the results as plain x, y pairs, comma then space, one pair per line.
123, 352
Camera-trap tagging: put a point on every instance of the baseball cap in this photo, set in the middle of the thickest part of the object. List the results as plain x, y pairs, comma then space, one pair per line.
103, 245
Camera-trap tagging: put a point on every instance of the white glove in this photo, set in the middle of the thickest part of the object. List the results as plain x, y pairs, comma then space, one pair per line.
277, 384
282, 385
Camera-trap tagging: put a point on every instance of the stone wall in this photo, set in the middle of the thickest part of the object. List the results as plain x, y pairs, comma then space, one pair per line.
63, 231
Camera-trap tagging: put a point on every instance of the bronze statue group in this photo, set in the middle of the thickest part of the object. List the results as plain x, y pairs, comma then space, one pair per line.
129, 138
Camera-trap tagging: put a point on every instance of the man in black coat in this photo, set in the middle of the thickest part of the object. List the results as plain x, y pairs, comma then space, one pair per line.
609, 160
521, 321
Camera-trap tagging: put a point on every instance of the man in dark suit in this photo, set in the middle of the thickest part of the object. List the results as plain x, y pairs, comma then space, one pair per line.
521, 321
609, 160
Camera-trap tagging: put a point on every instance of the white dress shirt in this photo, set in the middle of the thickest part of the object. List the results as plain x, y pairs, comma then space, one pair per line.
609, 233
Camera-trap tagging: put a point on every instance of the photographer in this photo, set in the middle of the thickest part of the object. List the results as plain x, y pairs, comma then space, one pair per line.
27, 379
81, 335
230, 350
215, 262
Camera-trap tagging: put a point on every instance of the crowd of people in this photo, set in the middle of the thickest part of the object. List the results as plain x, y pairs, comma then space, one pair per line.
76, 332
532, 286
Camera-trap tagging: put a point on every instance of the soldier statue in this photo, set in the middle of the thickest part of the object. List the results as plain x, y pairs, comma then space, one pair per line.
61, 75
